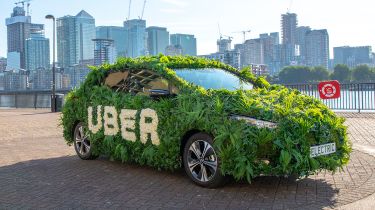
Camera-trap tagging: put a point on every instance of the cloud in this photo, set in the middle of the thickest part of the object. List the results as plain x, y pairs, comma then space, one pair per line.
179, 3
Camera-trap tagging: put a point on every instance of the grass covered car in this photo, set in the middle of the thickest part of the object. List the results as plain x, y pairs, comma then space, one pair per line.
168, 112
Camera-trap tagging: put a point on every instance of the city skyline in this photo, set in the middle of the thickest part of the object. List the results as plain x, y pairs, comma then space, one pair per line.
178, 17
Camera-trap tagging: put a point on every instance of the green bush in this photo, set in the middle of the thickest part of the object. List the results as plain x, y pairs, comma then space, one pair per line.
302, 121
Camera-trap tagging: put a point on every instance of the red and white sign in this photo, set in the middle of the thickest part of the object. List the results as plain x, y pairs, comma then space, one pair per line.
329, 89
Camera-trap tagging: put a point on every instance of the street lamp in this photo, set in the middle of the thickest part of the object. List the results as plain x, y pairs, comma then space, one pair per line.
74, 74
53, 97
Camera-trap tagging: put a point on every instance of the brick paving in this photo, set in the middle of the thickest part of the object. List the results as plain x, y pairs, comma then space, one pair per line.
361, 127
38, 170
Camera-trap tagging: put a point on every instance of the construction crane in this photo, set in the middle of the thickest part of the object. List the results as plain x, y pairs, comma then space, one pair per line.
23, 5
143, 9
244, 34
130, 4
229, 37
218, 26
221, 35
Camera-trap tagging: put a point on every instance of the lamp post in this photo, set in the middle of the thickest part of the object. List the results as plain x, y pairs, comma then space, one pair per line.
53, 97
74, 66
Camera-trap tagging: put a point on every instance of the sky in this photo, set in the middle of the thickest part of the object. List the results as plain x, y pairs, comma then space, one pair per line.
348, 22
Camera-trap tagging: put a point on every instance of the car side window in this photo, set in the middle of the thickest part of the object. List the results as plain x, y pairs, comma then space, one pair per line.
159, 84
141, 82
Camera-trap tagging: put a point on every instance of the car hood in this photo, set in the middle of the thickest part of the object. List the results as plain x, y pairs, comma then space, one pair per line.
272, 104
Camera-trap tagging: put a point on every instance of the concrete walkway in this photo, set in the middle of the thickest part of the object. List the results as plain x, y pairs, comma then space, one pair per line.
361, 129
38, 170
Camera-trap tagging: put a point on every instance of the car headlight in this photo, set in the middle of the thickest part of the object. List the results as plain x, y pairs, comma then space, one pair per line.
253, 121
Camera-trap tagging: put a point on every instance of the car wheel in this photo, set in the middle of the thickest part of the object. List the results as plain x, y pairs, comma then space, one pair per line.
201, 161
82, 143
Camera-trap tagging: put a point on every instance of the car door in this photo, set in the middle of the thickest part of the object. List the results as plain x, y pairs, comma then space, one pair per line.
144, 102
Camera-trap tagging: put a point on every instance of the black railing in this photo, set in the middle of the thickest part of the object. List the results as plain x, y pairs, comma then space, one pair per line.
28, 98
354, 96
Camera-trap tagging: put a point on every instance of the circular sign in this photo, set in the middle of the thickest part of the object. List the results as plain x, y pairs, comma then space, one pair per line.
329, 90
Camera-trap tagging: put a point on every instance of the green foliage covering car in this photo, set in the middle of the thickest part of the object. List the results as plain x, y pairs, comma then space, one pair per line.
168, 112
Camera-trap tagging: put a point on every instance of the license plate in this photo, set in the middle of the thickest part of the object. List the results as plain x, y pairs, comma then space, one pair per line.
323, 149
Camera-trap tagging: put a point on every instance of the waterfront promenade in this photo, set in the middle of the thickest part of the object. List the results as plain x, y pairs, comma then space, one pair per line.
38, 170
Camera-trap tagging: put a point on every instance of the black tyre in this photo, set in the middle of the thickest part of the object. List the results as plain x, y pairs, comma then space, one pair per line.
82, 143
201, 161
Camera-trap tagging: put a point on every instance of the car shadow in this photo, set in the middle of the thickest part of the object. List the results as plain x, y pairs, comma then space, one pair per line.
70, 182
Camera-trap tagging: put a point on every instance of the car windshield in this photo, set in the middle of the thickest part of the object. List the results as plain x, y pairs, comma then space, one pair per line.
212, 78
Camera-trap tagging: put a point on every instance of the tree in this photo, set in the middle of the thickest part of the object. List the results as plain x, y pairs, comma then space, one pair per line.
362, 73
295, 74
319, 73
341, 72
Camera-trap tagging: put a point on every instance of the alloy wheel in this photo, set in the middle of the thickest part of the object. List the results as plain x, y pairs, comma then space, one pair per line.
202, 160
82, 142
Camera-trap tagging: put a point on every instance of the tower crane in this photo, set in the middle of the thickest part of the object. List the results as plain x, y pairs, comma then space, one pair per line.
229, 37
130, 4
23, 5
143, 9
244, 34
221, 35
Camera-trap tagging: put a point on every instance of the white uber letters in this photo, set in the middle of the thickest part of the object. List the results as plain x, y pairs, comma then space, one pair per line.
127, 119
148, 123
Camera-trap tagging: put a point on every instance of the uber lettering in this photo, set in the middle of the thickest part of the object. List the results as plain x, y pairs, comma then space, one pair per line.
148, 123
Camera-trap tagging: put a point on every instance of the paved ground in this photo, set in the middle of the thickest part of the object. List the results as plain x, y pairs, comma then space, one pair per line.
37, 170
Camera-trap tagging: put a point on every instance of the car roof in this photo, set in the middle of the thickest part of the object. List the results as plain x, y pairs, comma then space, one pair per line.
164, 66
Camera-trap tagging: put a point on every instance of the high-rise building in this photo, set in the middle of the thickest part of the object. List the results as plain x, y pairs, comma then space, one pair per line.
218, 56
13, 61
253, 52
317, 48
233, 58
288, 29
270, 44
15, 80
157, 40
37, 51
276, 37
241, 49
41, 79
136, 37
225, 53
187, 42
2, 80
301, 32
117, 34
3, 64
173, 50
224, 45
352, 56
104, 51
18, 30
74, 40
230, 57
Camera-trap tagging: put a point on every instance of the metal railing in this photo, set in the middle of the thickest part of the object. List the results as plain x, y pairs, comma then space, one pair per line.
354, 96
27, 98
